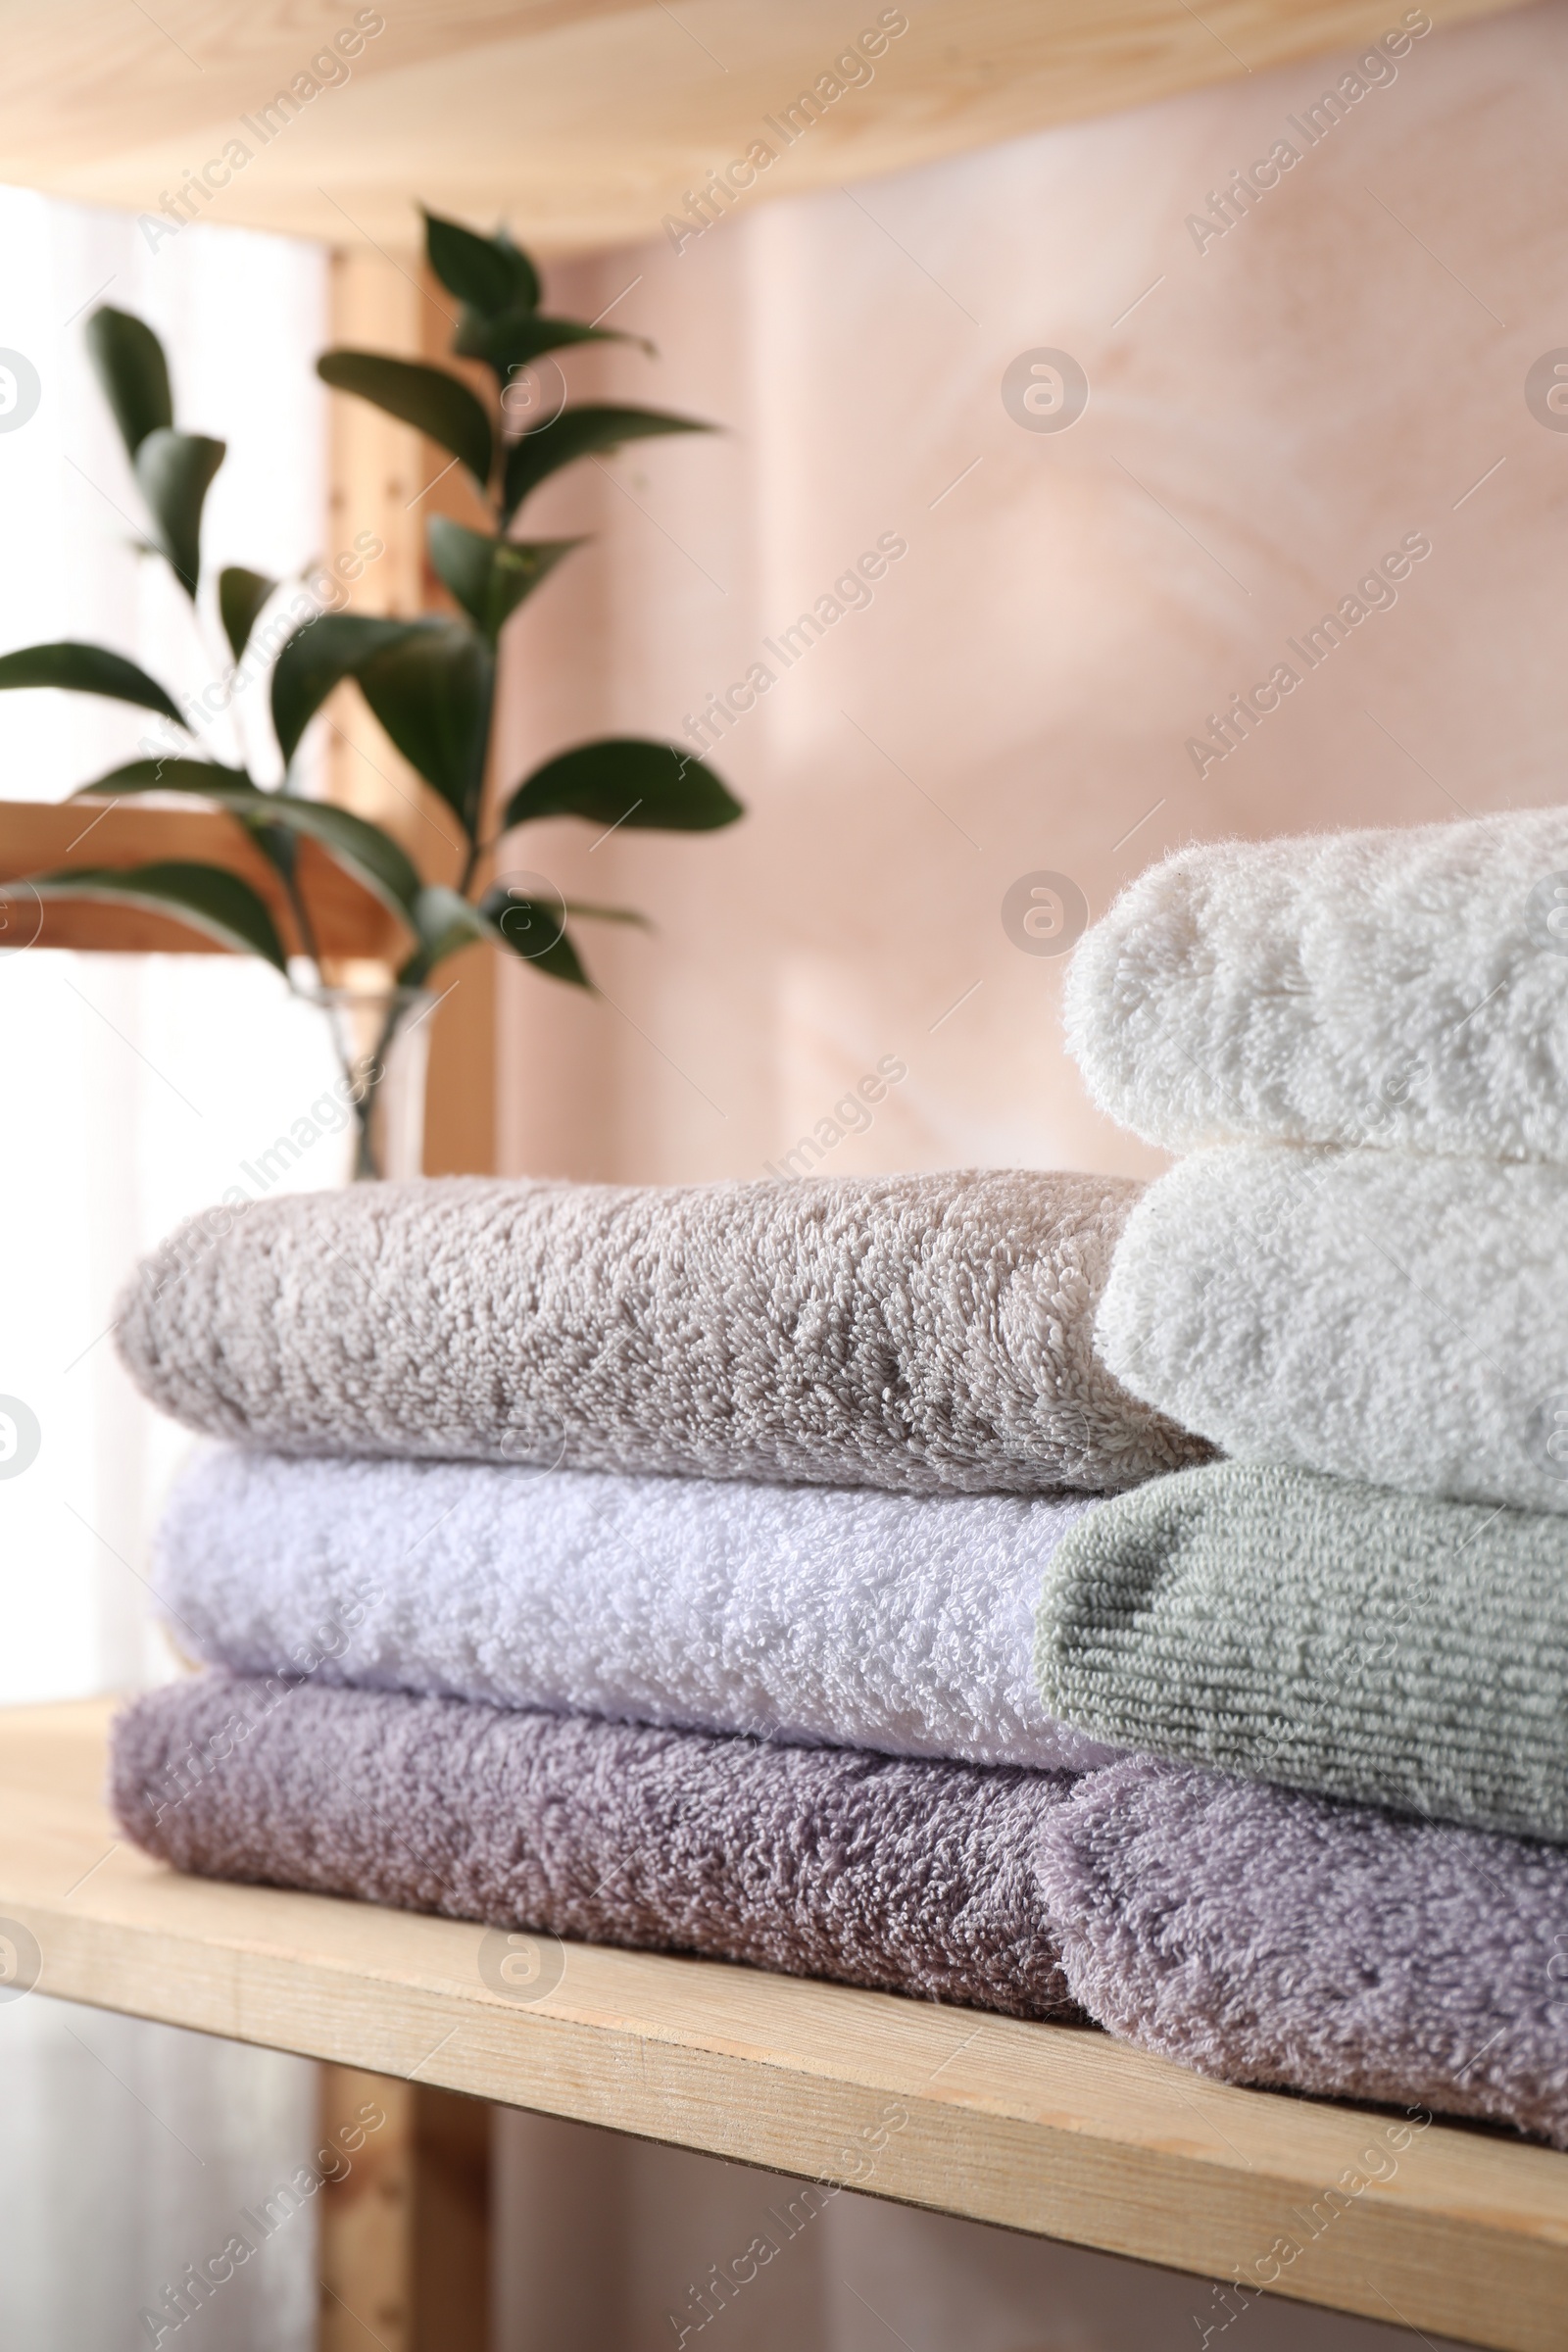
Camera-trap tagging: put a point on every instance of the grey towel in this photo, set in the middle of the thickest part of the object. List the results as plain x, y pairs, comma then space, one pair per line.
1265, 1936
909, 1331
819, 1862
1337, 1637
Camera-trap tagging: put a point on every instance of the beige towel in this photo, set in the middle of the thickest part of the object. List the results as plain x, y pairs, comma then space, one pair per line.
916, 1333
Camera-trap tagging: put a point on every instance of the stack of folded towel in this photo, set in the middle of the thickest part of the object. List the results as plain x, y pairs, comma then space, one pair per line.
651, 1567
1350, 1639
838, 1577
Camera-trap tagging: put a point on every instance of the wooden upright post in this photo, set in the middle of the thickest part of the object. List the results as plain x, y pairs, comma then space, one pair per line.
404, 2257
404, 2252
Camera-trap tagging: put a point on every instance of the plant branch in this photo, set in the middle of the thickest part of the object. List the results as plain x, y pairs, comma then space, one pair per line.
302, 920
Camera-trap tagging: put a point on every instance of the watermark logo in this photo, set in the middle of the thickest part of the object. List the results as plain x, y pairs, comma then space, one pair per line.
533, 394
721, 190
20, 1960
20, 390
21, 922
852, 1114
20, 1437
1546, 391
851, 592
1244, 715
538, 1446
1549, 1433
534, 917
1044, 391
1546, 914
1044, 913
521, 1968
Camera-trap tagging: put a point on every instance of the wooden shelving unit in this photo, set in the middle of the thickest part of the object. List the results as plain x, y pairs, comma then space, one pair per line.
584, 121
1059, 2132
38, 837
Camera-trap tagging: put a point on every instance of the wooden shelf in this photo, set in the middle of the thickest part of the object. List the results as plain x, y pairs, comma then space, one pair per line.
1059, 2132
583, 121
38, 836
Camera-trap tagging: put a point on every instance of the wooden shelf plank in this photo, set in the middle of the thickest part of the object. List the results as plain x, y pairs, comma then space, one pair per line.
583, 121
36, 836
1060, 2132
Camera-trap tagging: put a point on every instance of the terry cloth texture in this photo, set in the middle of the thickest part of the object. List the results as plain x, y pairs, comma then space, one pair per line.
1337, 1637
908, 1332
1405, 988
818, 1862
1267, 1936
1374, 1313
897, 1622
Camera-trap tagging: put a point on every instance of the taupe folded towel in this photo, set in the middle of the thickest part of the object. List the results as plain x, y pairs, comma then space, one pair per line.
908, 1332
818, 1862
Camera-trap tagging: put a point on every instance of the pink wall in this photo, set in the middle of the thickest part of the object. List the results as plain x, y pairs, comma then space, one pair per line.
1281, 410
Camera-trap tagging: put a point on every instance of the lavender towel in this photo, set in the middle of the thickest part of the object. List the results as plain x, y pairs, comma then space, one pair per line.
833, 1616
908, 1332
906, 1876
1268, 1936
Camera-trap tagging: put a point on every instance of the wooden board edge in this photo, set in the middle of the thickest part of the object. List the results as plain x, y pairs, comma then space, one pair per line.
1375, 2255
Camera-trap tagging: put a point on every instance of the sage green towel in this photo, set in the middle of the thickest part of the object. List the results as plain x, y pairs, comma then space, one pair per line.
1342, 1638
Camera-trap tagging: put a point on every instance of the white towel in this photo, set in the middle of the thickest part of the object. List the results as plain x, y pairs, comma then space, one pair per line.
1401, 988
1382, 1315
821, 1616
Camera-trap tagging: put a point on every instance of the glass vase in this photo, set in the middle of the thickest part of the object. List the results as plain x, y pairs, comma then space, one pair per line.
383, 1037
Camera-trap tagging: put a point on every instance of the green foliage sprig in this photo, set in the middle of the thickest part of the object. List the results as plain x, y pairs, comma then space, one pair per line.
430, 682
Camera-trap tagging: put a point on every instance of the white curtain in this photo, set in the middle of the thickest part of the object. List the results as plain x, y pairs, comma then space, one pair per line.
133, 1087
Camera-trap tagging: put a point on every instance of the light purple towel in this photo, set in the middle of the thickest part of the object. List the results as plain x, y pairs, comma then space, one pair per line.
1268, 1936
907, 1877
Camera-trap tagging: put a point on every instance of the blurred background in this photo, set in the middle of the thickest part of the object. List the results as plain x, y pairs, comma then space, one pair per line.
1031, 698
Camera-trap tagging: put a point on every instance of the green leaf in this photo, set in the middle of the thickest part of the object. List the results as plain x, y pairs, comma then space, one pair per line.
320, 655
515, 337
174, 774
209, 898
438, 403
625, 780
560, 961
447, 922
128, 361
86, 670
513, 921
606, 914
433, 693
489, 273
582, 433
442, 921
281, 849
528, 276
361, 848
174, 472
488, 576
372, 857
242, 595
